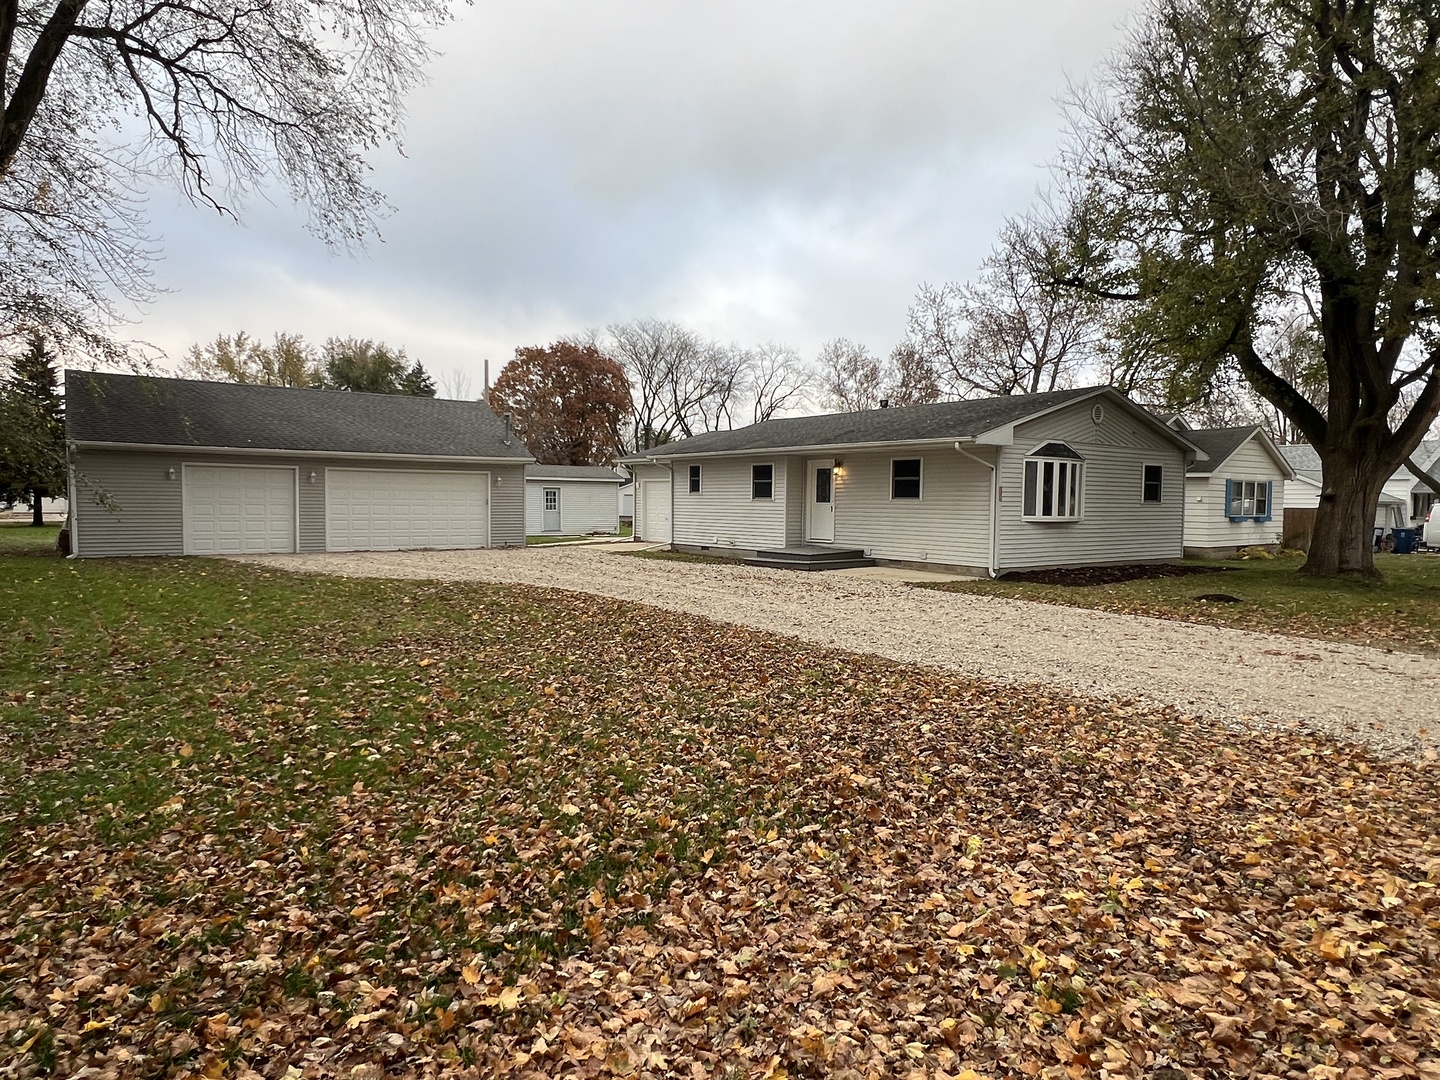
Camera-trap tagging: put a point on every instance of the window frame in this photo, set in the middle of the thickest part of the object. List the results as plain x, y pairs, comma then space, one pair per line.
1069, 475
753, 481
1237, 498
919, 479
1145, 484
695, 480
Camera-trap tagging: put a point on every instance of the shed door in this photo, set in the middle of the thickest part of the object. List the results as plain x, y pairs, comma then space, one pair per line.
238, 510
656, 497
387, 509
550, 512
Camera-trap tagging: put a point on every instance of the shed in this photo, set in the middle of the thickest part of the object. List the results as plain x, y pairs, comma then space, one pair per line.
571, 500
164, 466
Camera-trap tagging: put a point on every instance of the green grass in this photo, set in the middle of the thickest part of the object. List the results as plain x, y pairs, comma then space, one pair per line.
26, 539
682, 556
1400, 612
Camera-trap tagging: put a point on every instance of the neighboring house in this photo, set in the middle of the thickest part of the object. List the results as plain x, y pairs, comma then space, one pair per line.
1394, 510
1236, 498
1073, 477
571, 500
627, 502
173, 466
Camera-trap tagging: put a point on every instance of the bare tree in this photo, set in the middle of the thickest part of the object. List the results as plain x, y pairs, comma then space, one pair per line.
229, 96
851, 380
910, 377
655, 355
456, 385
776, 381
1010, 331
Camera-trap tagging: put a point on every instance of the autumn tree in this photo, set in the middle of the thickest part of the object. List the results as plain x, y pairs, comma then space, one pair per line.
287, 361
1242, 158
570, 403
372, 367
97, 100
910, 377
32, 428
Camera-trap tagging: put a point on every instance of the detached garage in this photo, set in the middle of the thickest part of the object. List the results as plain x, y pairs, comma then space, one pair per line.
180, 467
571, 500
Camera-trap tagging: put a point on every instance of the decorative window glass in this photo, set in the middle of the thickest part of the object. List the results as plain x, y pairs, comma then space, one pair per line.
762, 481
1054, 484
1153, 487
905, 478
694, 479
552, 498
1247, 499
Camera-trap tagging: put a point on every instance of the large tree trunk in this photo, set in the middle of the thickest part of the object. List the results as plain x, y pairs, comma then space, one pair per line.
1343, 542
37, 513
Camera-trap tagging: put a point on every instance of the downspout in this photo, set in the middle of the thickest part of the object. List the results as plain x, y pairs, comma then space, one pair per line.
994, 503
670, 468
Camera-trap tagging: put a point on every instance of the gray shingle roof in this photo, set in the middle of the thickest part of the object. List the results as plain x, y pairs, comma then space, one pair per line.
1303, 458
147, 409
572, 472
915, 423
1219, 443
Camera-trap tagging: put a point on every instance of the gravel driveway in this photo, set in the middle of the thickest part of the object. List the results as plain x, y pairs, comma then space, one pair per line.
1385, 699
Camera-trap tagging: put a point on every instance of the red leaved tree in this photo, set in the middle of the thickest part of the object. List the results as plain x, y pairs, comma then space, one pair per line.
569, 402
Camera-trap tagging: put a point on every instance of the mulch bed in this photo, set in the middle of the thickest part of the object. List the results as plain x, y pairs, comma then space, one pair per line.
1081, 576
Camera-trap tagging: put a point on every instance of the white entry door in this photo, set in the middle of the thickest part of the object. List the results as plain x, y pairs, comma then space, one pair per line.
820, 492
656, 496
238, 510
387, 509
550, 513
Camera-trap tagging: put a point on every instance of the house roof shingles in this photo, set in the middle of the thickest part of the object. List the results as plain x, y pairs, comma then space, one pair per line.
537, 471
150, 410
913, 423
1219, 443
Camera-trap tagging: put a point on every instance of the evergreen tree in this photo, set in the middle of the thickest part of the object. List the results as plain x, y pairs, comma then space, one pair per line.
32, 428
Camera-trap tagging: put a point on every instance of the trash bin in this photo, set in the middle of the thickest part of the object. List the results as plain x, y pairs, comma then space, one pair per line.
1404, 541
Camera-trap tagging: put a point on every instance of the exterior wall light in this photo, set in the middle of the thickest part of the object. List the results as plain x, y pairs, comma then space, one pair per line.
312, 477
170, 474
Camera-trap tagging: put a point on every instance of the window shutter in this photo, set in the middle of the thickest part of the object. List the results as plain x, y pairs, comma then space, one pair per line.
1229, 492
1269, 500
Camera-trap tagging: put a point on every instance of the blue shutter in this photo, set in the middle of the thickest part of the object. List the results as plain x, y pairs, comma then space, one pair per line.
1269, 500
1228, 493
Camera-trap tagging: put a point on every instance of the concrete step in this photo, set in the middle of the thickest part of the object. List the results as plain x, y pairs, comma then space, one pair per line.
828, 563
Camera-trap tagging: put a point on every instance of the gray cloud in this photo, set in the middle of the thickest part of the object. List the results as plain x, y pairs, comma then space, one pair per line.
778, 170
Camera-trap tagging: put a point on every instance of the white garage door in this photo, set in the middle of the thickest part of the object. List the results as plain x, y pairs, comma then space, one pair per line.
656, 497
386, 510
233, 510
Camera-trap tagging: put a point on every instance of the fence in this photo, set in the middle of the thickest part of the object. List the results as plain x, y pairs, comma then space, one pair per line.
1299, 526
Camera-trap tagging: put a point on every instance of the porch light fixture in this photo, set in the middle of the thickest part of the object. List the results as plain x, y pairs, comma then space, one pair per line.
312, 477
170, 474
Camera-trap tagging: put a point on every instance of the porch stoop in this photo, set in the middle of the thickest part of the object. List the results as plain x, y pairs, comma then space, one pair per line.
811, 558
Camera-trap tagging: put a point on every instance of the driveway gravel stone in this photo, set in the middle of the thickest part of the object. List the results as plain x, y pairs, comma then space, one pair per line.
1387, 700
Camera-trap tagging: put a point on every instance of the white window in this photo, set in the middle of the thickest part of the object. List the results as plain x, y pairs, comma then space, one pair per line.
1248, 499
1153, 484
762, 481
1054, 484
905, 478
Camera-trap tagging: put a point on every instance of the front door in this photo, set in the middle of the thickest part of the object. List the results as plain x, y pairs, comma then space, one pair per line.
550, 520
820, 490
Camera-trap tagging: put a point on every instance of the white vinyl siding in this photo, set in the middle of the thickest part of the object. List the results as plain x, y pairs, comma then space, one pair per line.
1207, 517
725, 514
948, 526
1115, 526
238, 509
586, 506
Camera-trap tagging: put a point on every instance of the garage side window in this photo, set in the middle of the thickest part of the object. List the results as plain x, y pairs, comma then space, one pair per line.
1153, 485
694, 479
762, 481
1054, 484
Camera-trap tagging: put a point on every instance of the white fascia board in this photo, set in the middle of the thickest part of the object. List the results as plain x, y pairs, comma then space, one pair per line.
170, 448
819, 448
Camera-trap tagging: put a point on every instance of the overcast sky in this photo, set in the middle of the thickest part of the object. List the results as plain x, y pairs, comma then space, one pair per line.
773, 170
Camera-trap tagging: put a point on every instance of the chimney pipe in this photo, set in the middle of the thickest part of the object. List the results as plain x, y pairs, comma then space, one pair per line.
884, 403
485, 394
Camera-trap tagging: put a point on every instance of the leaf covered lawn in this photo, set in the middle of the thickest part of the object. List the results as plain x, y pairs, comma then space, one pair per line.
253, 823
